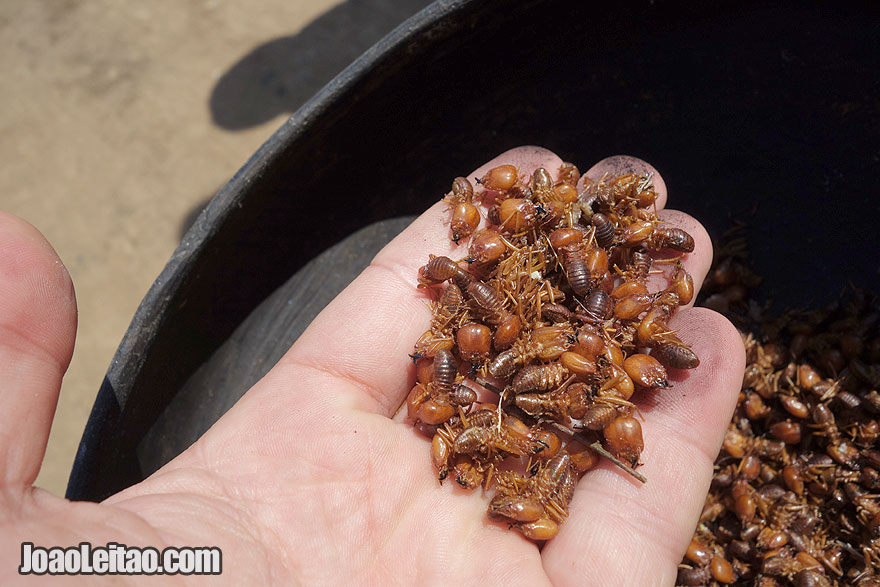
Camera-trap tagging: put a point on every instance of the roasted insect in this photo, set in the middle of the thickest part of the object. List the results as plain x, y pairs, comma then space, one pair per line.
465, 216
794, 500
537, 320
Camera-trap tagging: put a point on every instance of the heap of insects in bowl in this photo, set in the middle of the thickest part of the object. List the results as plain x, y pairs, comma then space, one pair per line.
794, 499
543, 332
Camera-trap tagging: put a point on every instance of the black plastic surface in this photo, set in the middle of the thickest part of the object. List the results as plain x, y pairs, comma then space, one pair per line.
767, 113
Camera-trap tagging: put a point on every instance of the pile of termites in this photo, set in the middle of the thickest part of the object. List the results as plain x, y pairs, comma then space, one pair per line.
543, 331
794, 498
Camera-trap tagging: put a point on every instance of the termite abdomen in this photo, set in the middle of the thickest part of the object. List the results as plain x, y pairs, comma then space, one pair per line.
599, 416
462, 395
555, 313
503, 364
451, 300
472, 439
670, 237
445, 371
534, 404
676, 356
577, 271
539, 377
439, 269
598, 306
486, 299
641, 265
462, 188
604, 230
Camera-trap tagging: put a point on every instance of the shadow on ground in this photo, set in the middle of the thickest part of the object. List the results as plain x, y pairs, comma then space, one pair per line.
282, 74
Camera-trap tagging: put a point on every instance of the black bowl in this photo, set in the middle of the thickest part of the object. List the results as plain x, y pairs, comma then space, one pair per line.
767, 113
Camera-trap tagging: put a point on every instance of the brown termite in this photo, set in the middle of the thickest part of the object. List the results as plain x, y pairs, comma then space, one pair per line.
487, 246
445, 370
582, 265
572, 251
488, 304
474, 342
557, 201
500, 178
448, 312
580, 366
462, 395
516, 215
623, 438
545, 343
440, 269
539, 378
722, 570
568, 173
597, 307
541, 183
637, 233
604, 234
555, 313
435, 411
571, 401
692, 576
645, 371
492, 441
598, 416
629, 288
639, 266
667, 347
537, 505
655, 235
485, 299
682, 284
465, 216
669, 237
434, 403
633, 305
468, 473
676, 354
444, 437
618, 190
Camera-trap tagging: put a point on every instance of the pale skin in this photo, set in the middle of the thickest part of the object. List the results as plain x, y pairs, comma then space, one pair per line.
315, 478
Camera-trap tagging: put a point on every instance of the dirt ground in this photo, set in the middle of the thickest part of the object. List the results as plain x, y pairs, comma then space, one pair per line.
119, 121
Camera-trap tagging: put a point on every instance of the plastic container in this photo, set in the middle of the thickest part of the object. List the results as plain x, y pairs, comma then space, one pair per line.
765, 113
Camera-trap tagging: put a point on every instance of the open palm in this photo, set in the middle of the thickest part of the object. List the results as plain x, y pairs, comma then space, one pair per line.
313, 477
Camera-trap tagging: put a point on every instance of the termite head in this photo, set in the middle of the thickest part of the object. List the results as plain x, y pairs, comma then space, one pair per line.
467, 474
499, 178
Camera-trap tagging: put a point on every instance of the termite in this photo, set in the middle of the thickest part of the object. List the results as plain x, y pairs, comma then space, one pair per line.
464, 215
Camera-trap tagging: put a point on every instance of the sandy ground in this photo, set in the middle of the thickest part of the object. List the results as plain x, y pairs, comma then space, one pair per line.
118, 121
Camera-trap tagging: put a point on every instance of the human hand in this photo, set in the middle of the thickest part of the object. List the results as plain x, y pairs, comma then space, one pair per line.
311, 478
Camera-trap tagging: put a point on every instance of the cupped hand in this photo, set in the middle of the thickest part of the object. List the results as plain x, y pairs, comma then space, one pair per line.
311, 479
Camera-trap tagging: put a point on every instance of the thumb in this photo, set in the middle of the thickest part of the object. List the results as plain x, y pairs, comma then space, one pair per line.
37, 331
